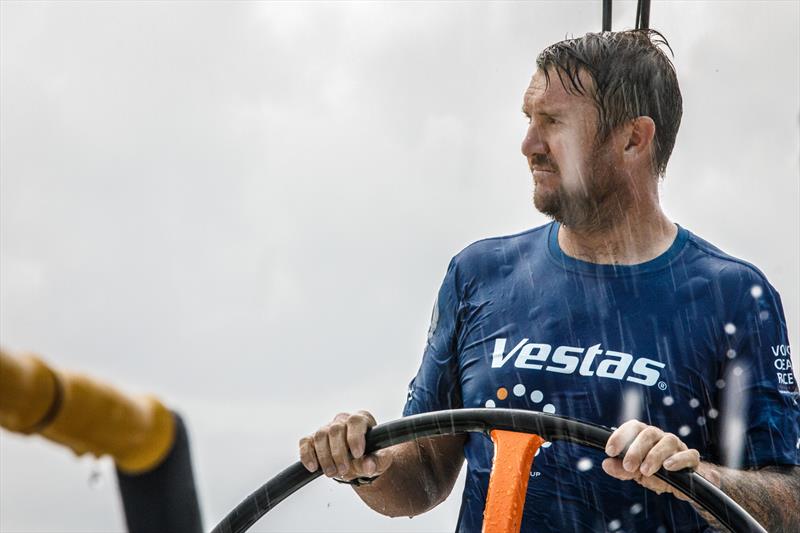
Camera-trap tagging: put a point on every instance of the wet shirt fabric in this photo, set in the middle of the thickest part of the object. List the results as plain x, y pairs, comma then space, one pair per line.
693, 342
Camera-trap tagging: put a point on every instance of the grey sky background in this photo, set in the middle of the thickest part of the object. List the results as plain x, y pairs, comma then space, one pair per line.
247, 208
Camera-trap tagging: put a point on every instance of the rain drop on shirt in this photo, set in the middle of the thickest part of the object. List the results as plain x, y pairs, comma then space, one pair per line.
731, 353
756, 291
614, 525
668, 400
713, 413
684, 431
636, 508
730, 329
694, 403
584, 464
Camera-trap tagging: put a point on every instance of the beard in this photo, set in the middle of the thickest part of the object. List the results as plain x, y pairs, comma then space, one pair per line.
599, 204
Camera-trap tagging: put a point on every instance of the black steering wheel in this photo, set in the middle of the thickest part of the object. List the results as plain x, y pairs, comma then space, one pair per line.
459, 421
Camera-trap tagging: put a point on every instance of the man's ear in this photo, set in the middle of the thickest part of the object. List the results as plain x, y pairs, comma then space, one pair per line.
640, 138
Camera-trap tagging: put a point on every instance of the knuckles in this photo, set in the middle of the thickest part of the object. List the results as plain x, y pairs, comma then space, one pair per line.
674, 440
652, 432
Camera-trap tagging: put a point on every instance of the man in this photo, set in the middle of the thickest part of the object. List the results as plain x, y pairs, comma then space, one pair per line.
612, 314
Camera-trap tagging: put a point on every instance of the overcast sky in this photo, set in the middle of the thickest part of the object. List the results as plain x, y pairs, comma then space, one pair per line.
247, 208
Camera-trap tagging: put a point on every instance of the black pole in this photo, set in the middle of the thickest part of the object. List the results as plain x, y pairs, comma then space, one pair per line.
645, 22
643, 15
606, 15
163, 499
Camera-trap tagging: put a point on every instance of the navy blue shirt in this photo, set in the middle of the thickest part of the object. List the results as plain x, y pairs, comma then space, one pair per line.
693, 342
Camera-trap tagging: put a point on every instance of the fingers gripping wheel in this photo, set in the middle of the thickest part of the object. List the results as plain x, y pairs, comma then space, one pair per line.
539, 426
508, 482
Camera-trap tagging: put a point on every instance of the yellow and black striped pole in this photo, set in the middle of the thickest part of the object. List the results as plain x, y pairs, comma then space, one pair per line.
147, 441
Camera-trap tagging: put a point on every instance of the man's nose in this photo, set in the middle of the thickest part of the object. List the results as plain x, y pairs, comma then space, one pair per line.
533, 143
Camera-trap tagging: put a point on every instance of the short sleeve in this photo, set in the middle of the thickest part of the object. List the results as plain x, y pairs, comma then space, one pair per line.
436, 386
762, 383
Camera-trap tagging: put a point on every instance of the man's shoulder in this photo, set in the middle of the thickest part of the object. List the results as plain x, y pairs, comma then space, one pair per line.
716, 263
493, 248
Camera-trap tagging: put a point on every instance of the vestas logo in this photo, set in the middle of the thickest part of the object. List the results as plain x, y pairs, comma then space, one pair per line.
568, 359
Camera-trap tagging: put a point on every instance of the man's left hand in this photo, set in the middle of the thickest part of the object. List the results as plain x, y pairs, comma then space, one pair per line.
649, 449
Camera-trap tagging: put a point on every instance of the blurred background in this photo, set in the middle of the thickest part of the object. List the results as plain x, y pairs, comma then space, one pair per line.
248, 208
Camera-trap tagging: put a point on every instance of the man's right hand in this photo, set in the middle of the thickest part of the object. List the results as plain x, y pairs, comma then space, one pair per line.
338, 448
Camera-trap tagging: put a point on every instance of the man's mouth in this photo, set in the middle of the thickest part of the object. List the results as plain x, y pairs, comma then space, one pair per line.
537, 170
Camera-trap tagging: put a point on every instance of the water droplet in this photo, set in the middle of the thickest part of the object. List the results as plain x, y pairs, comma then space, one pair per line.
636, 508
756, 291
614, 525
720, 383
730, 329
489, 403
585, 464
95, 478
737, 371
668, 400
684, 431
549, 408
731, 353
701, 421
713, 413
537, 396
763, 315
694, 403
519, 389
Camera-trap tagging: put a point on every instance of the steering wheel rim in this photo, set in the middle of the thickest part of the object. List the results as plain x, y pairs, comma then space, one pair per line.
459, 421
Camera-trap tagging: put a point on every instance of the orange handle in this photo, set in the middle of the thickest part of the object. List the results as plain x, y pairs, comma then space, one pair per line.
508, 482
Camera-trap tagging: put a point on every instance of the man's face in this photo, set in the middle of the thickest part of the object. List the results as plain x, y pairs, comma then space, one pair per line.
576, 181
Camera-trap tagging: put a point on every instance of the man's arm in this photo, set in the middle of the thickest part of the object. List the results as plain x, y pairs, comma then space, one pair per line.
421, 477
412, 477
771, 495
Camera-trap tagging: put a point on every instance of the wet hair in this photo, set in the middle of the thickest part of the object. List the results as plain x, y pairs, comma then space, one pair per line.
632, 77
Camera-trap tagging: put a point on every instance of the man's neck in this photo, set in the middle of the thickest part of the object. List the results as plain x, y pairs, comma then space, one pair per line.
634, 238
